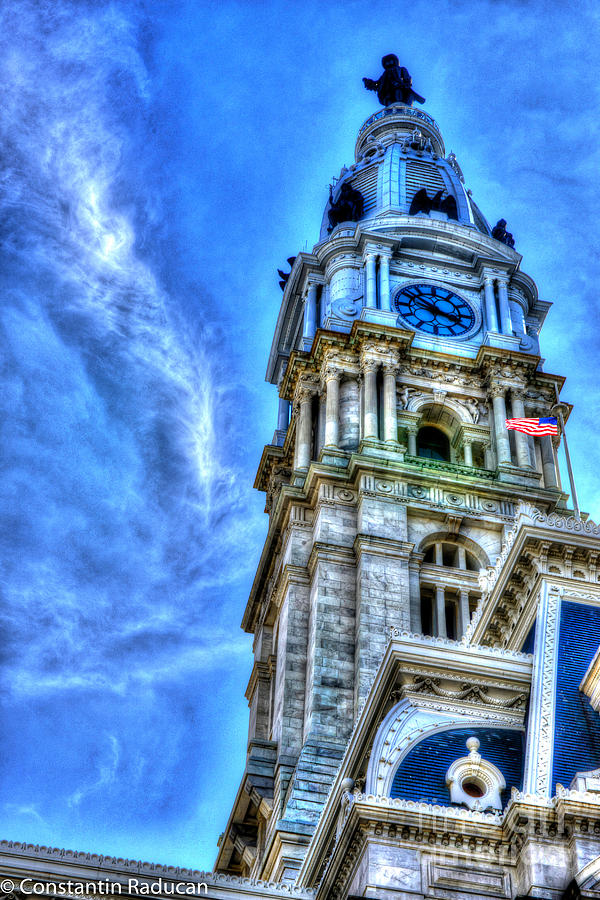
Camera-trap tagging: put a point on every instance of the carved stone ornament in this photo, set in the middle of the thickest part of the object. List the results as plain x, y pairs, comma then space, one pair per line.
368, 364
497, 389
306, 388
474, 782
331, 371
473, 407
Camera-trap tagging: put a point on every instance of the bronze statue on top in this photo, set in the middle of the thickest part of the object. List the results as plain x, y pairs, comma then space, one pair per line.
441, 202
501, 234
348, 207
394, 85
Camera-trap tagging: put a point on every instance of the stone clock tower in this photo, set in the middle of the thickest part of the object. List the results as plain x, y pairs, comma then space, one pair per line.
394, 709
426, 611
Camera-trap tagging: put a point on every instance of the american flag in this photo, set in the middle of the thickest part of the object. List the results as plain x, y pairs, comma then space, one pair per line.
534, 426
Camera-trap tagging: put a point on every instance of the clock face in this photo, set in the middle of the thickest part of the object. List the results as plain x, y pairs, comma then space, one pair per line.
435, 310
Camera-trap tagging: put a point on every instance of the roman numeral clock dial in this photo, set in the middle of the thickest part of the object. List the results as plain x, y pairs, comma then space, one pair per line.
434, 310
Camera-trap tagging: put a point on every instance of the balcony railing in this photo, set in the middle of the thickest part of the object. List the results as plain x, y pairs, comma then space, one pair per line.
448, 468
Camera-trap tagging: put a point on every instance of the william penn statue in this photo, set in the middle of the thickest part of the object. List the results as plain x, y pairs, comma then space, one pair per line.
394, 84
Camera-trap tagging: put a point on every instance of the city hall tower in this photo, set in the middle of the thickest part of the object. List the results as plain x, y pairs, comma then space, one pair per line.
407, 733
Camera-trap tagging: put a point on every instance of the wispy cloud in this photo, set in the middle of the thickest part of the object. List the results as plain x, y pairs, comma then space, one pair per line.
107, 768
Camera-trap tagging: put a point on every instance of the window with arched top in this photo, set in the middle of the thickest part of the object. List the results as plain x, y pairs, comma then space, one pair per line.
454, 555
433, 444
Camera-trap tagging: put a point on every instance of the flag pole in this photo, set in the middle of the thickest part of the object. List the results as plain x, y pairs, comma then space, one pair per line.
567, 454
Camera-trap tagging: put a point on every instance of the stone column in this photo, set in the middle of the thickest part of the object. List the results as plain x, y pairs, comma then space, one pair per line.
371, 424
521, 440
439, 555
468, 449
463, 611
462, 557
412, 440
310, 312
390, 410
414, 566
304, 432
489, 457
332, 409
384, 283
283, 414
371, 278
502, 442
440, 610
490, 304
548, 461
505, 320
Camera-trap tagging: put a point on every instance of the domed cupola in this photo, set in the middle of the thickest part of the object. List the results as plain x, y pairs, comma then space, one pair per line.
401, 169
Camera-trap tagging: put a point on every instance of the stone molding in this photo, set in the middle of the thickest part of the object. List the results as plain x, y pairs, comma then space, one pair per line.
116, 866
539, 752
467, 692
397, 633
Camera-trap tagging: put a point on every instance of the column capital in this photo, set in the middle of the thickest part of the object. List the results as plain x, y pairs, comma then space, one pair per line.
497, 389
488, 277
369, 364
331, 371
306, 388
518, 392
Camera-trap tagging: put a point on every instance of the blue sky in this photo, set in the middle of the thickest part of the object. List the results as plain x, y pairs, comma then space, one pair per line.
159, 161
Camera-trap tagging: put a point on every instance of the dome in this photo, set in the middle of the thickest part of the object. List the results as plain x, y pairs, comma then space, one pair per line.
399, 152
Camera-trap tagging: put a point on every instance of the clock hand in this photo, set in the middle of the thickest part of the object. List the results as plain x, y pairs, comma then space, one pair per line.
431, 307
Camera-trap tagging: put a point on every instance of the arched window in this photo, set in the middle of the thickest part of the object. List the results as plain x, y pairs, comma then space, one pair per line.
444, 553
433, 444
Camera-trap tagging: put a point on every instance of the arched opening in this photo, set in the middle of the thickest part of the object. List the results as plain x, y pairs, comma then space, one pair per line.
433, 444
444, 553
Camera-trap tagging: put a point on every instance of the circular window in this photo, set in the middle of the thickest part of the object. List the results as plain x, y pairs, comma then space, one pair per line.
472, 788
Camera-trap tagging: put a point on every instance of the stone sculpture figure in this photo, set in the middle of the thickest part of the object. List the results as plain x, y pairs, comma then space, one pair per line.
501, 234
284, 276
473, 407
348, 207
422, 202
394, 85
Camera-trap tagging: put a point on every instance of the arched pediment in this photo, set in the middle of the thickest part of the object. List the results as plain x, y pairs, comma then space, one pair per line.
404, 726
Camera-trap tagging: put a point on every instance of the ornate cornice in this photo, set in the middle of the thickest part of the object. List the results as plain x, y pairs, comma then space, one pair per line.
112, 867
